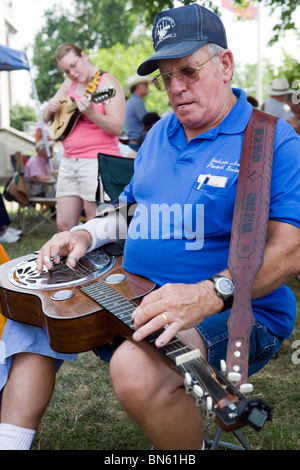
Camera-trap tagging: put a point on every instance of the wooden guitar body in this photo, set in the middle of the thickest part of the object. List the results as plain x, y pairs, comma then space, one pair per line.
65, 119
76, 323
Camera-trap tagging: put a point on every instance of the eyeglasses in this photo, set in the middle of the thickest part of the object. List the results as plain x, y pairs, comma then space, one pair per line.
72, 67
188, 75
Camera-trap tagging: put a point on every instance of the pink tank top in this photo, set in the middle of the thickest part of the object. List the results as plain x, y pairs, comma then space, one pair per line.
87, 139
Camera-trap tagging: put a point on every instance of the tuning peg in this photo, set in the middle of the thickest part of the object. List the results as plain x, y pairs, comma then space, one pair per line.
223, 366
209, 403
234, 376
198, 391
246, 388
187, 382
187, 378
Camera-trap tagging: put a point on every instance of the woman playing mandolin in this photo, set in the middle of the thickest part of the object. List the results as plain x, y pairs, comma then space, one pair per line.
92, 126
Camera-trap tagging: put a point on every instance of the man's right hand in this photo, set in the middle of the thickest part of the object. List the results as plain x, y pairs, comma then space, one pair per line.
73, 245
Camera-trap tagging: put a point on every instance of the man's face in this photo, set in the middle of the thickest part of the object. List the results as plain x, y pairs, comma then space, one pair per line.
201, 105
43, 152
143, 89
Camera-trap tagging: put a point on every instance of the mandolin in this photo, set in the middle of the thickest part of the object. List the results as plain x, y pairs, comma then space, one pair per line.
91, 305
66, 117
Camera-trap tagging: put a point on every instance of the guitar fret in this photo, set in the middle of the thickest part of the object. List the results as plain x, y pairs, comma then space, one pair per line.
110, 300
123, 308
178, 351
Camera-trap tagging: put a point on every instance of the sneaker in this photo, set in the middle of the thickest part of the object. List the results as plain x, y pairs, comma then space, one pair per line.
14, 231
8, 237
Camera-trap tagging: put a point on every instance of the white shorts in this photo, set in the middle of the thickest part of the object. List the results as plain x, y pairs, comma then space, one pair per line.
78, 177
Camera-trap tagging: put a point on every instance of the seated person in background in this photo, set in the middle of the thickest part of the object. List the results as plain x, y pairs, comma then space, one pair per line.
38, 168
253, 101
149, 120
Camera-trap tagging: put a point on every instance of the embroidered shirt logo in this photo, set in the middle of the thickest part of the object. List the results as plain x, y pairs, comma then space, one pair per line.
163, 29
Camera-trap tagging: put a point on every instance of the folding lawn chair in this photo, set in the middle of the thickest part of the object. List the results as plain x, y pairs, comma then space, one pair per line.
114, 174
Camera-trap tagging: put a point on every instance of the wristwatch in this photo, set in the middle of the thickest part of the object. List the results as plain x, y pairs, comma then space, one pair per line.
224, 288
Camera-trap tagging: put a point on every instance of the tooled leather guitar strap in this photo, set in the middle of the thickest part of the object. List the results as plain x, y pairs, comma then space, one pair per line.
248, 233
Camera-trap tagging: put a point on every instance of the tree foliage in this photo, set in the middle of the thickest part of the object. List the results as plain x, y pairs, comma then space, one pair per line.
287, 10
95, 24
19, 115
123, 61
104, 25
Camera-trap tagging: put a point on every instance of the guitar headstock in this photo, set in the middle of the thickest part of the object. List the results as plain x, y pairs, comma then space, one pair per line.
104, 94
220, 395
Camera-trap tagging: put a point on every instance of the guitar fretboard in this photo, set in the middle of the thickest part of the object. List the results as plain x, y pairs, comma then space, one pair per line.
198, 369
122, 309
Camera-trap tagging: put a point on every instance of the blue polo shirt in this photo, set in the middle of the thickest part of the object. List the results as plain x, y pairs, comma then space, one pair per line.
185, 194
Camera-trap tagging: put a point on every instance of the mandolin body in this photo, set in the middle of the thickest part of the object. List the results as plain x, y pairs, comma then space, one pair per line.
66, 117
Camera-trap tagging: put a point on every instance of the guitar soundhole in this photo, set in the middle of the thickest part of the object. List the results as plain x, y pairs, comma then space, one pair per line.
89, 267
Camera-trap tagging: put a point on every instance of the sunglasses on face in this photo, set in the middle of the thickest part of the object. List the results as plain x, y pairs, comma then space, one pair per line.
188, 75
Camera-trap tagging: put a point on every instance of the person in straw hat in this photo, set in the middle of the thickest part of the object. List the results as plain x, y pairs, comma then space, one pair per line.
137, 86
276, 104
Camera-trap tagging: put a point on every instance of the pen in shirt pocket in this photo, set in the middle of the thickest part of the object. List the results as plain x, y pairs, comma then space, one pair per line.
205, 181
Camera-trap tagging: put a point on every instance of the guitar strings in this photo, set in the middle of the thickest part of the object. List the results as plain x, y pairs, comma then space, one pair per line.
173, 347
176, 347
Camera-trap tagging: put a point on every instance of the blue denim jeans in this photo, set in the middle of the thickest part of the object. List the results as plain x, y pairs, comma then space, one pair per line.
263, 343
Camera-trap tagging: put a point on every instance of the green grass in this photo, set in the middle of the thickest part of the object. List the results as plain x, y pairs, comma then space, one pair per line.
84, 414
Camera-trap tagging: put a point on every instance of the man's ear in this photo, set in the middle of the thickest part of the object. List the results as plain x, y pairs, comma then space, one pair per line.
227, 64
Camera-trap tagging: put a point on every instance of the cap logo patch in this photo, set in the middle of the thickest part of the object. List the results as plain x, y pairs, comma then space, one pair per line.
163, 29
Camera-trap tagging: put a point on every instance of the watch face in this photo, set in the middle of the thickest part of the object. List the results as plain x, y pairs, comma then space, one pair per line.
225, 286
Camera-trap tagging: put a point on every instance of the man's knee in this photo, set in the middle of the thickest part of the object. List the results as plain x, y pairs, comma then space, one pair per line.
136, 373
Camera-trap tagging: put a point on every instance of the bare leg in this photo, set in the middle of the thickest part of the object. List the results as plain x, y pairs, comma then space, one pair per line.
90, 209
153, 395
28, 390
68, 212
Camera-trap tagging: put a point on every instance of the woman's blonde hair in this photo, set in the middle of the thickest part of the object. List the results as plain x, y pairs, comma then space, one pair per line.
63, 49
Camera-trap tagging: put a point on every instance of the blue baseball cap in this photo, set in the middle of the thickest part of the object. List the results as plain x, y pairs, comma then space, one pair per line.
181, 31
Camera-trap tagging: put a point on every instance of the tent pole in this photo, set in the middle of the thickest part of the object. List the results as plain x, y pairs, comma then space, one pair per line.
41, 121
